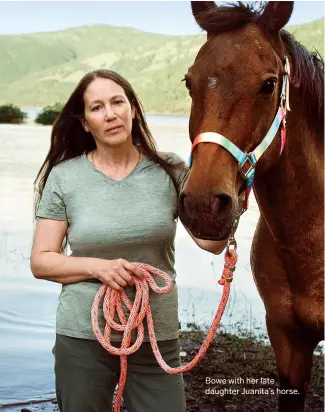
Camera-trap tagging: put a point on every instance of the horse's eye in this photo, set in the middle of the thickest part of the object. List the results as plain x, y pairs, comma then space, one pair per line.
268, 86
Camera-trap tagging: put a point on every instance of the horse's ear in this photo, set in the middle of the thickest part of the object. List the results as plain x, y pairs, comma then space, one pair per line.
199, 7
276, 15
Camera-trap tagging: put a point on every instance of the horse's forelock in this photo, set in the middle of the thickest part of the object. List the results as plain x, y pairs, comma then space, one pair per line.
216, 20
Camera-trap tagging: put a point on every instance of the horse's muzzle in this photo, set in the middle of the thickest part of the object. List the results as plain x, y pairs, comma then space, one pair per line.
207, 218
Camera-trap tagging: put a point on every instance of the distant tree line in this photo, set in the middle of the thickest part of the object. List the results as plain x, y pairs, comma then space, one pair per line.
11, 114
14, 115
48, 114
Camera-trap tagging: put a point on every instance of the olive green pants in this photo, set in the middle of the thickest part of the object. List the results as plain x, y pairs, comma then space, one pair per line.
87, 375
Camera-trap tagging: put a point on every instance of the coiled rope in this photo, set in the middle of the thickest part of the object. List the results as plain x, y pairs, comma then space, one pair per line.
140, 309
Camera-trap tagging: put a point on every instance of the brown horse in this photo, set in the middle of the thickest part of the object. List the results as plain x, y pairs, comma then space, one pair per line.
235, 84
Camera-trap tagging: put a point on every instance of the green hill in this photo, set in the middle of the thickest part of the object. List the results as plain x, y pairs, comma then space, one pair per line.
42, 68
310, 35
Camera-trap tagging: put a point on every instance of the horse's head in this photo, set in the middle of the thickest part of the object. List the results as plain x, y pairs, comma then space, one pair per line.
235, 85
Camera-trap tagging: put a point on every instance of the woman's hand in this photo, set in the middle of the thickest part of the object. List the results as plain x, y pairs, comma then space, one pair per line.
115, 273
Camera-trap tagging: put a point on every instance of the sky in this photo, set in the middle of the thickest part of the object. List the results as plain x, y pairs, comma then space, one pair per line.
163, 17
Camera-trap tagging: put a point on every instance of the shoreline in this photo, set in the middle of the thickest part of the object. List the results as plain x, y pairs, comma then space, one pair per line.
31, 120
149, 116
237, 373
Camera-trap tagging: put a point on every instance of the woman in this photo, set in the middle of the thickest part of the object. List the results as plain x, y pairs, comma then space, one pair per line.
104, 187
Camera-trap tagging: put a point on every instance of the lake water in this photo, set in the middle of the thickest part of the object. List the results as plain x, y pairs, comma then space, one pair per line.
28, 306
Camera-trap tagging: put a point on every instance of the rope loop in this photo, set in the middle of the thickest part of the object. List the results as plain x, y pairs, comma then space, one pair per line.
139, 309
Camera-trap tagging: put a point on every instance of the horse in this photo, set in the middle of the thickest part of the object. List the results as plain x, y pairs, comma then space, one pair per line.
237, 83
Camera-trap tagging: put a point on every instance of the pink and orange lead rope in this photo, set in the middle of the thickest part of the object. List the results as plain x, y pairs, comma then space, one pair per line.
140, 309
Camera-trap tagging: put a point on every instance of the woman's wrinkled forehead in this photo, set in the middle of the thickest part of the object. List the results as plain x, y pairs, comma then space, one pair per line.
102, 89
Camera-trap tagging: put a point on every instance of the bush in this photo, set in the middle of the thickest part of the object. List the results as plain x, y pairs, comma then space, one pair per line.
49, 114
11, 114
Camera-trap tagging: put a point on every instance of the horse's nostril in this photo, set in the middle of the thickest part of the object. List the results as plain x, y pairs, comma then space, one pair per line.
216, 204
222, 203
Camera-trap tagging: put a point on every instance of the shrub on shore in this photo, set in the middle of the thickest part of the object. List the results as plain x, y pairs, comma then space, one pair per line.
49, 114
11, 114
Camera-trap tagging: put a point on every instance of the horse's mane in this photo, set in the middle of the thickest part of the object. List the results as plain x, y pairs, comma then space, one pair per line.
308, 74
308, 67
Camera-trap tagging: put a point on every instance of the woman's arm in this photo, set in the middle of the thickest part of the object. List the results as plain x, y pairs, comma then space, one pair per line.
48, 263
213, 246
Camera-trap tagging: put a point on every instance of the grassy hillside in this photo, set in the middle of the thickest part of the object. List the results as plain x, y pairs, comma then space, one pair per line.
310, 35
42, 68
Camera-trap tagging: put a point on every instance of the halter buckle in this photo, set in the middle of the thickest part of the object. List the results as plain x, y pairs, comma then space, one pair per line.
251, 159
232, 245
283, 99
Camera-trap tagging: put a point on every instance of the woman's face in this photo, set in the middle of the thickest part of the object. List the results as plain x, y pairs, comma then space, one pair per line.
108, 113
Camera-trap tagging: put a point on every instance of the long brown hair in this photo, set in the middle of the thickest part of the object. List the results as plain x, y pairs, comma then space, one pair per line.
69, 139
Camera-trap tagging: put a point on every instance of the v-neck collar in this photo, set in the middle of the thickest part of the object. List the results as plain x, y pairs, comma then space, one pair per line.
136, 168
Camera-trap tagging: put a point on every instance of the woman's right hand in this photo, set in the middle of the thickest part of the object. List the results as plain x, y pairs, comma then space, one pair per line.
114, 273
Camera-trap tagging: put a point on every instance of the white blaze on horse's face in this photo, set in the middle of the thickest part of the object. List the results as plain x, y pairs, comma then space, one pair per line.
211, 82
258, 44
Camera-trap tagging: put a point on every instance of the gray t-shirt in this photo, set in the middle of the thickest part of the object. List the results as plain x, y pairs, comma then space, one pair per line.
134, 219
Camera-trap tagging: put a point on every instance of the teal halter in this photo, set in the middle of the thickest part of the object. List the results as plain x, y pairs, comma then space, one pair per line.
252, 157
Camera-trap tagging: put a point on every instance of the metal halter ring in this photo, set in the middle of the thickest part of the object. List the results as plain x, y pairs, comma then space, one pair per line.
231, 242
252, 163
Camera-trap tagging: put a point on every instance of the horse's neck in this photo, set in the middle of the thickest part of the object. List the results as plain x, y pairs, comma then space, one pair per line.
290, 193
